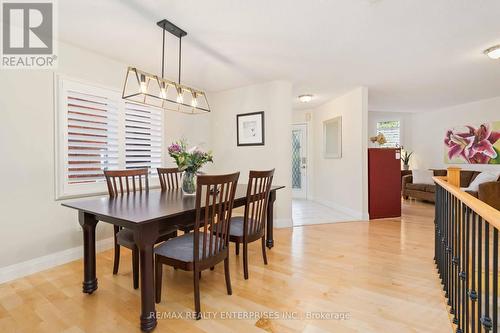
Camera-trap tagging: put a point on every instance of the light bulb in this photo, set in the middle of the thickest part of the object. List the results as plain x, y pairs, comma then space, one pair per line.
163, 90
194, 102
180, 98
144, 87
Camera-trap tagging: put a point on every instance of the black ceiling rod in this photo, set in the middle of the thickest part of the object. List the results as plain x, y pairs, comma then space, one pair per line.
177, 32
163, 55
180, 55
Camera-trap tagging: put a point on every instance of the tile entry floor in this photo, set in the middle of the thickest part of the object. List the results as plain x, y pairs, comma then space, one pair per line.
307, 212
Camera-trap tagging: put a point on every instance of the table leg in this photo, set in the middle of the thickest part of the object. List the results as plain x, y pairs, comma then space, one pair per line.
270, 221
145, 239
88, 223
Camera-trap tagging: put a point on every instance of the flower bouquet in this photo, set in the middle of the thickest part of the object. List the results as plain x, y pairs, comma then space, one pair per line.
189, 161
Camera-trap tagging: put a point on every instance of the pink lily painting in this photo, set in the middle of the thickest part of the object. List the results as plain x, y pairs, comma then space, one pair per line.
473, 144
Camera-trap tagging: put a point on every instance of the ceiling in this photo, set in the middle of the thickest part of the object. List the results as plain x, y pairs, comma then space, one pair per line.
412, 55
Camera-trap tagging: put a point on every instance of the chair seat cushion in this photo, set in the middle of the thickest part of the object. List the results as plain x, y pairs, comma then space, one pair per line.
125, 237
181, 247
236, 226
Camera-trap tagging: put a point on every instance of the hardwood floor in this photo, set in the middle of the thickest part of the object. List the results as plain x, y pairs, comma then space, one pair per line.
380, 273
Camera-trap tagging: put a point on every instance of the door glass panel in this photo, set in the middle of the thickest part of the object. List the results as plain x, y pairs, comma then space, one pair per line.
296, 178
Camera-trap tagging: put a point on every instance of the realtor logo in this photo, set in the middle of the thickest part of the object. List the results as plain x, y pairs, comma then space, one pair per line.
28, 34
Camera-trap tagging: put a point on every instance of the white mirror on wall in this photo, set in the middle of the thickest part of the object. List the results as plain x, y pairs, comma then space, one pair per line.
332, 138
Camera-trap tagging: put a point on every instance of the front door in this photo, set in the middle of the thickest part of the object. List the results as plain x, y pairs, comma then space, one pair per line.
299, 161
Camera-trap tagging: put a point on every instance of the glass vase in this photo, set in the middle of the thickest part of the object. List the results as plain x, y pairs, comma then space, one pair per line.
189, 183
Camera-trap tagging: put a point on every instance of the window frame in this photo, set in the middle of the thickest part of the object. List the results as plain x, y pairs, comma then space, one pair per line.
390, 145
64, 190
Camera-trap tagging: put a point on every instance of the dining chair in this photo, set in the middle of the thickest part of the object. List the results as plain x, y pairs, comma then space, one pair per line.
171, 179
251, 226
202, 249
126, 182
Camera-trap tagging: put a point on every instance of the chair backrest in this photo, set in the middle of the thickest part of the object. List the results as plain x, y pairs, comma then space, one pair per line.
170, 178
214, 205
259, 186
126, 181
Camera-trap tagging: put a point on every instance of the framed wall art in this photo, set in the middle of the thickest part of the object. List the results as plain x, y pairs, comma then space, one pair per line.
250, 129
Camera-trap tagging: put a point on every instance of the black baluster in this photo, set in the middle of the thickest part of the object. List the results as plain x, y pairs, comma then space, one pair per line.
439, 234
441, 239
479, 271
456, 261
486, 320
473, 293
458, 249
448, 262
441, 229
453, 288
436, 227
495, 280
467, 262
445, 244
461, 274
449, 267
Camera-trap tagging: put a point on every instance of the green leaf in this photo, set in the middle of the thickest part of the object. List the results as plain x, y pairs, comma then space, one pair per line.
497, 159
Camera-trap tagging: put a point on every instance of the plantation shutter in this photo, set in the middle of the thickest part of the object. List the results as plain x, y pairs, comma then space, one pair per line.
143, 136
97, 130
92, 136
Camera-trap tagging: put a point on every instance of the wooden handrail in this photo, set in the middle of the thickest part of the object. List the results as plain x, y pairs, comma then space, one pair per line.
487, 212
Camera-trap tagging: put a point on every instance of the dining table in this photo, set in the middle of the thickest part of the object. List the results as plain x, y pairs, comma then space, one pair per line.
146, 214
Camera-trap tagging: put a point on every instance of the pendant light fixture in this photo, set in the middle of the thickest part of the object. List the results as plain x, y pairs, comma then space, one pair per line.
150, 89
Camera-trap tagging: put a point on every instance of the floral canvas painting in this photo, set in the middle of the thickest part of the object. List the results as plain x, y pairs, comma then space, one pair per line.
473, 144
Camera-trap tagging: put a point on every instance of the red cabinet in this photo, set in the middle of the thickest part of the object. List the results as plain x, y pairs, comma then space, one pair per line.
384, 182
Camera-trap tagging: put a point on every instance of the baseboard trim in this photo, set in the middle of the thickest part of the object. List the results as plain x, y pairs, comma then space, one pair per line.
356, 215
15, 271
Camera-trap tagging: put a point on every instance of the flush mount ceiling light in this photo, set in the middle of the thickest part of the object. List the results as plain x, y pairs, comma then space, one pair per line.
493, 52
150, 89
305, 98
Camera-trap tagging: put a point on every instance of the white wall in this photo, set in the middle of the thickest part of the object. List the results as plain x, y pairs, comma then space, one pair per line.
196, 129
33, 223
343, 183
274, 98
428, 131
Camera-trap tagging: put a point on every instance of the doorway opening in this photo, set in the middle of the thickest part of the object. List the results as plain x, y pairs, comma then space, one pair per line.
304, 210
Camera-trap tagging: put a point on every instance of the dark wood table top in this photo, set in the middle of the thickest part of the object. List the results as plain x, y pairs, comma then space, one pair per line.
144, 207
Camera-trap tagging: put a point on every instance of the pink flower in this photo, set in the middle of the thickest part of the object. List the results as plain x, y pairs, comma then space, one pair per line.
174, 148
474, 146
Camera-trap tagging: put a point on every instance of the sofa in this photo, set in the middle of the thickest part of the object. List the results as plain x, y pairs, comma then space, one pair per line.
488, 192
424, 192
